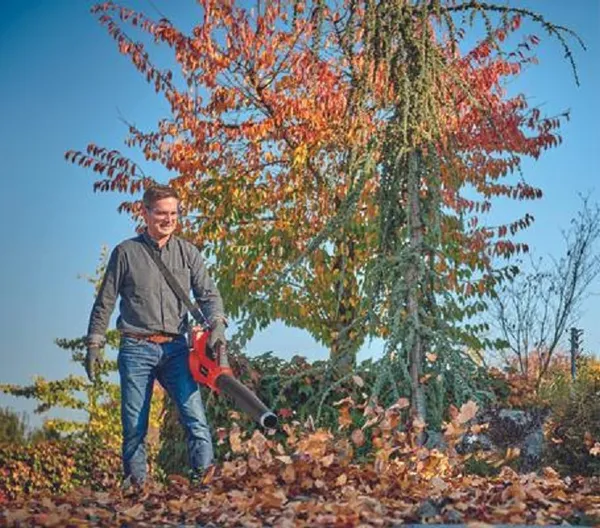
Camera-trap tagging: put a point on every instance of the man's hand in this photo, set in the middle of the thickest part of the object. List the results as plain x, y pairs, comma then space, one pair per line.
218, 343
217, 335
93, 361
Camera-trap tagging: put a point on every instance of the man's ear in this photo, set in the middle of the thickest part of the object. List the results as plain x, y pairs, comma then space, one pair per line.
145, 213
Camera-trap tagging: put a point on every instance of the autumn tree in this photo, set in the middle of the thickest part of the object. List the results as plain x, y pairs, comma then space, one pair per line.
327, 155
263, 139
451, 129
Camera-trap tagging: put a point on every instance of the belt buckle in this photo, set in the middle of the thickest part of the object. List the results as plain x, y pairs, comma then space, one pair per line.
159, 339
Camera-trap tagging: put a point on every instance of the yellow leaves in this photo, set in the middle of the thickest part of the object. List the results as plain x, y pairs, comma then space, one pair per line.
300, 155
341, 480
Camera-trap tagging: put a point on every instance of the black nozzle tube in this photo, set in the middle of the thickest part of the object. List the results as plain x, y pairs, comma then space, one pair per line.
247, 401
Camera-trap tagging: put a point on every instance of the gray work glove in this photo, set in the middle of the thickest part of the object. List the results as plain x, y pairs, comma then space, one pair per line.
218, 343
93, 361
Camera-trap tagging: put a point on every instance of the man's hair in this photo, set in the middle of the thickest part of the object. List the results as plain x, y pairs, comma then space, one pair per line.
158, 192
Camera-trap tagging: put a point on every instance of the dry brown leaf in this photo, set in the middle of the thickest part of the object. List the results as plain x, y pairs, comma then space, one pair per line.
358, 437
341, 480
550, 473
358, 380
344, 401
254, 463
288, 474
478, 428
344, 418
425, 378
272, 498
467, 412
402, 403
438, 485
235, 440
326, 461
135, 511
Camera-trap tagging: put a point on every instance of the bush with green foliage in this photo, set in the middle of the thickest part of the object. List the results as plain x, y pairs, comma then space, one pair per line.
298, 391
13, 427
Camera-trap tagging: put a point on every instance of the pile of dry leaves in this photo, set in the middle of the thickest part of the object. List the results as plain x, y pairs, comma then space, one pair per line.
312, 479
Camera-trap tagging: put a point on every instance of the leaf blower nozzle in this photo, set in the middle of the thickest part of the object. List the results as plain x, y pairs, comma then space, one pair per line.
218, 376
247, 401
268, 420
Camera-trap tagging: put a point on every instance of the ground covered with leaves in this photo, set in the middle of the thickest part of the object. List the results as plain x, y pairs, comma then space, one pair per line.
313, 480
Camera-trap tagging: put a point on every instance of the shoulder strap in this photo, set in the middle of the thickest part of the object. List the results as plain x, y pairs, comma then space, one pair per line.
193, 307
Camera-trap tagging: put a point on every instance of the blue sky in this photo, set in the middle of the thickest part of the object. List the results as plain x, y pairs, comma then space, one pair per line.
64, 85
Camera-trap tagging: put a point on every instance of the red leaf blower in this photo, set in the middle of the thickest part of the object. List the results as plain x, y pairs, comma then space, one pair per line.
216, 374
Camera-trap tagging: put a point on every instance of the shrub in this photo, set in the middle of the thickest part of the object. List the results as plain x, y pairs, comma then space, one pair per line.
56, 467
574, 428
13, 427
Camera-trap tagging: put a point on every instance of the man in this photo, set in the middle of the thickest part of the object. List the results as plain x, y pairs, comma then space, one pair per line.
153, 322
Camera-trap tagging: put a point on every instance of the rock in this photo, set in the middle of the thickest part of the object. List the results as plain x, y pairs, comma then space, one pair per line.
522, 429
532, 450
453, 517
475, 442
427, 511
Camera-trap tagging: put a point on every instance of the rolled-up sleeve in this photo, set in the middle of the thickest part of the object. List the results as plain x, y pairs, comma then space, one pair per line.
204, 288
106, 299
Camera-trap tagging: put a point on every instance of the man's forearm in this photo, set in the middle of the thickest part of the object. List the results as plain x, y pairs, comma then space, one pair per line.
105, 302
98, 324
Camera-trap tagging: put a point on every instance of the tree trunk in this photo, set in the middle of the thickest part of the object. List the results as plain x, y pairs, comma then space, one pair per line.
348, 336
413, 276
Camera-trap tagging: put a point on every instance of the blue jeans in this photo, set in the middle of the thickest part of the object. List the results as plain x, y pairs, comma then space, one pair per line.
140, 363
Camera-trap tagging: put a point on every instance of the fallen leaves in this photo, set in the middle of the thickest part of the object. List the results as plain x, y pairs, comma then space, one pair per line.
314, 479
349, 498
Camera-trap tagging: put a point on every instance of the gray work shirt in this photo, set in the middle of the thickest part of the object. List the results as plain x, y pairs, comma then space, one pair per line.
148, 304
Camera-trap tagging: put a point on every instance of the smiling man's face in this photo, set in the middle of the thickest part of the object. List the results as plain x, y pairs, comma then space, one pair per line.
161, 218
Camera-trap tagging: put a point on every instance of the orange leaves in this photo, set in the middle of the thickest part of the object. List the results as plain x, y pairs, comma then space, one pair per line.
267, 132
315, 445
397, 484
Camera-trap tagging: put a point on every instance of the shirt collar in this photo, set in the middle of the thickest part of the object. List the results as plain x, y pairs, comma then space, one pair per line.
147, 238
